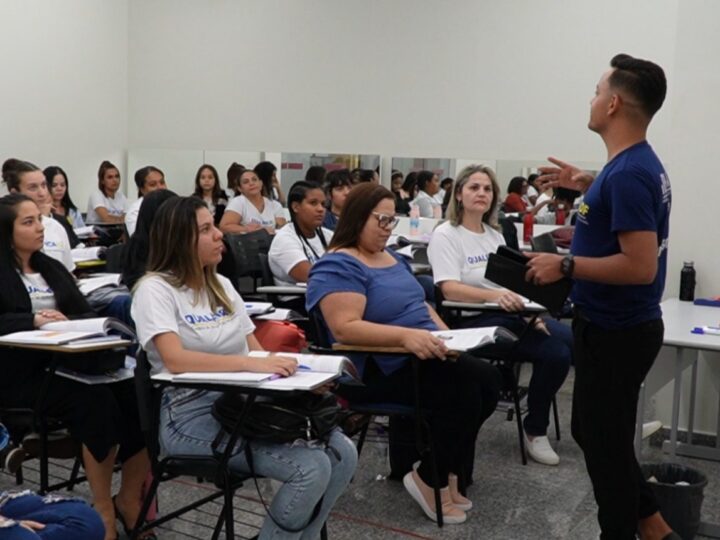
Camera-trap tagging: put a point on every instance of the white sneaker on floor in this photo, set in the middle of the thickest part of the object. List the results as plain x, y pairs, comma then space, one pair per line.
539, 449
651, 427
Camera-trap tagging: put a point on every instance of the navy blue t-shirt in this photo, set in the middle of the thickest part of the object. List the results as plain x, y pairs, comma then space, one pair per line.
631, 193
393, 295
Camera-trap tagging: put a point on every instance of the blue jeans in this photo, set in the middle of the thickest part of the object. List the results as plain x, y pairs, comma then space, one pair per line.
308, 473
64, 519
551, 357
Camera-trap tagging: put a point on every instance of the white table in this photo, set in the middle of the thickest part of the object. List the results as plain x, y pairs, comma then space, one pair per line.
679, 318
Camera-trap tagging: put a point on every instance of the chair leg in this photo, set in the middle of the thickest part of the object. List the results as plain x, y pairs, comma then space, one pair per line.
145, 508
44, 472
219, 524
361, 439
518, 419
74, 474
436, 479
556, 418
323, 532
229, 513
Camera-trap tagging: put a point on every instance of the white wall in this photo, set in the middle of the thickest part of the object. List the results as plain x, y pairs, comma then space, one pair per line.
64, 86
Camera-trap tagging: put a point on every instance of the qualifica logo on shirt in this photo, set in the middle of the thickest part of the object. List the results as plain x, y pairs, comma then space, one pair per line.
35, 291
208, 320
476, 259
50, 244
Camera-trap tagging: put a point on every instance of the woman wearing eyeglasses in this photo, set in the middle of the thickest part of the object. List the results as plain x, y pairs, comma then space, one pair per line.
368, 297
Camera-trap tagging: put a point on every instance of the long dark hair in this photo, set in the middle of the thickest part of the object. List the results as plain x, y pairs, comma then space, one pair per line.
138, 248
8, 214
264, 171
358, 206
234, 173
50, 173
297, 194
142, 174
217, 192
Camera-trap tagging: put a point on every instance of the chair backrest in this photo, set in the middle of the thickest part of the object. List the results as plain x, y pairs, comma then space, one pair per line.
544, 242
266, 277
509, 232
241, 258
114, 257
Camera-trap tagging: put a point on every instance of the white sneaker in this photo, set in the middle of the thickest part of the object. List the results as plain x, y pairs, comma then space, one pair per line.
451, 514
651, 427
540, 450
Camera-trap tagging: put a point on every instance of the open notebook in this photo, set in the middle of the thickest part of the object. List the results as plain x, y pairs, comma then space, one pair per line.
79, 331
314, 371
471, 339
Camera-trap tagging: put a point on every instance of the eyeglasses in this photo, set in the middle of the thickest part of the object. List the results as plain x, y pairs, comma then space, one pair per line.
385, 221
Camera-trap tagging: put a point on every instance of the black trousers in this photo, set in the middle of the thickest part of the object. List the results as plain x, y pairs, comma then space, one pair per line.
610, 366
458, 397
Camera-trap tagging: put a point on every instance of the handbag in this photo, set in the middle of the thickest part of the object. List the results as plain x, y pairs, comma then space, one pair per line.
305, 416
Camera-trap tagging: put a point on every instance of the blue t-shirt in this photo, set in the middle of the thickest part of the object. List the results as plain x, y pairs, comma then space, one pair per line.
631, 193
330, 220
393, 295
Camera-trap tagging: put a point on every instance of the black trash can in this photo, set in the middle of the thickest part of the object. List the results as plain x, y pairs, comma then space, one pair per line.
680, 505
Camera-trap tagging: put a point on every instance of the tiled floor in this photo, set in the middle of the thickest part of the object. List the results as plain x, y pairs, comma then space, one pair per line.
512, 501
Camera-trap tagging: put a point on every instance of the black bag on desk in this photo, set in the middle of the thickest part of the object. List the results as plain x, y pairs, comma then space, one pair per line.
305, 416
95, 362
508, 267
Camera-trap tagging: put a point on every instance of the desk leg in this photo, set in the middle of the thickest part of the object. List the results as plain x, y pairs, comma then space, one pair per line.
677, 386
691, 413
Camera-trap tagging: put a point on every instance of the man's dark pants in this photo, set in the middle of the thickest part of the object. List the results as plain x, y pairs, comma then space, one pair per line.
610, 366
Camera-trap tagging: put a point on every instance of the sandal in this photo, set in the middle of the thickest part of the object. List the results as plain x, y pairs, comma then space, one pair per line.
149, 535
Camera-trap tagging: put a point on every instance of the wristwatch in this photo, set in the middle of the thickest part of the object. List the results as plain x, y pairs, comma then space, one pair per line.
567, 266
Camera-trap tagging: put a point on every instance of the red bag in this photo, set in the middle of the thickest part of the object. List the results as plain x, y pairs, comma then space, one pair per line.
280, 336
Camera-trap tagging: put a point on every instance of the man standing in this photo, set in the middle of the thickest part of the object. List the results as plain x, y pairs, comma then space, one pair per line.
618, 262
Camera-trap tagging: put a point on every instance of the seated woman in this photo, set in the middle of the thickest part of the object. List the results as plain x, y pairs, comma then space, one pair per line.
368, 297
251, 211
233, 180
514, 202
298, 246
207, 188
147, 180
138, 247
107, 205
103, 418
458, 254
337, 187
63, 205
191, 319
267, 173
428, 184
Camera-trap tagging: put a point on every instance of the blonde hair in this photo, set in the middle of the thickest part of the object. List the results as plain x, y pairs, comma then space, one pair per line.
455, 211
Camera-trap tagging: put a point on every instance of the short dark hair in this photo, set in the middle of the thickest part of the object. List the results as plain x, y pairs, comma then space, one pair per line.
365, 175
446, 182
424, 178
142, 174
643, 80
337, 178
358, 206
316, 174
105, 166
516, 184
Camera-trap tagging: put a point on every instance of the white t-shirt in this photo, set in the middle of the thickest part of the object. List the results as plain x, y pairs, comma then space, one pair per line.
249, 214
56, 243
158, 308
41, 295
427, 205
458, 254
288, 249
131, 216
545, 210
116, 206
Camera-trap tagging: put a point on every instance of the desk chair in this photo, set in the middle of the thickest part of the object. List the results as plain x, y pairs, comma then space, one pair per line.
512, 393
169, 467
240, 263
423, 442
115, 258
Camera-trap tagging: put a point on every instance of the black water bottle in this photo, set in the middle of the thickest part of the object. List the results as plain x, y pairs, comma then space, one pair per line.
687, 282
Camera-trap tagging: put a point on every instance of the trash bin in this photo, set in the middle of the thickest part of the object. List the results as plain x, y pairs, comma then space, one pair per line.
681, 504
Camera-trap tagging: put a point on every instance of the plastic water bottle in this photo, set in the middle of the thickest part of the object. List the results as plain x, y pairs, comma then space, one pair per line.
687, 282
560, 215
528, 223
414, 220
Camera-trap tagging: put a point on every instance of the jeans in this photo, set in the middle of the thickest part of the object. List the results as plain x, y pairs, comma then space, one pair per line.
610, 366
308, 472
551, 357
64, 519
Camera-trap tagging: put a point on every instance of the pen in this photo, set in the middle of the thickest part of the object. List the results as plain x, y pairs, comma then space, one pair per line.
709, 330
442, 336
304, 367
